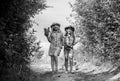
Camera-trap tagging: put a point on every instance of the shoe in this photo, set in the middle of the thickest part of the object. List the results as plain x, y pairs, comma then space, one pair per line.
66, 71
71, 72
56, 72
53, 72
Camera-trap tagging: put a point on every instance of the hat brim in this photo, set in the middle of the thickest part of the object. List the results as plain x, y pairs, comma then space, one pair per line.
71, 28
55, 24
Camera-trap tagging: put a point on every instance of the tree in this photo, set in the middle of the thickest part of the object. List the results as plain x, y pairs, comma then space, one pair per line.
98, 20
14, 45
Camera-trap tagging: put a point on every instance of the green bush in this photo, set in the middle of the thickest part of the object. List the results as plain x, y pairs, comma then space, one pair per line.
98, 24
14, 42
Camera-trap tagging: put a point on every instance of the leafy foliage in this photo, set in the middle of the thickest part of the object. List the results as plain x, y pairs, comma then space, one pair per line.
98, 22
14, 43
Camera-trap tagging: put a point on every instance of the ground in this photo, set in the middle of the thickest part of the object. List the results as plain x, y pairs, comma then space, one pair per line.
61, 76
86, 73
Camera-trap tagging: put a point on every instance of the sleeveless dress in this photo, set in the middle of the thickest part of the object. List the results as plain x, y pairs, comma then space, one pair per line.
56, 43
68, 45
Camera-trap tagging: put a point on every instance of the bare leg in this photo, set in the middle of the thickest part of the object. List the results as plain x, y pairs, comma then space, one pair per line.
52, 63
66, 64
66, 59
71, 64
56, 62
71, 59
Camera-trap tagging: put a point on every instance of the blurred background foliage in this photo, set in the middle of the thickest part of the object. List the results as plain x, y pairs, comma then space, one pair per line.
16, 42
97, 24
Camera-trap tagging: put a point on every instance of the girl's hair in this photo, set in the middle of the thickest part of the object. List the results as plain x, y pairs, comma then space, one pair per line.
72, 33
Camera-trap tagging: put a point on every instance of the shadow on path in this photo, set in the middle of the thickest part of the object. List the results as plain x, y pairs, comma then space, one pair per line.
77, 76
44, 74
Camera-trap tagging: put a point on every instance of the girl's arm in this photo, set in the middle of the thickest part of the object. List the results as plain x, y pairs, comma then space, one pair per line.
62, 39
49, 37
47, 34
76, 41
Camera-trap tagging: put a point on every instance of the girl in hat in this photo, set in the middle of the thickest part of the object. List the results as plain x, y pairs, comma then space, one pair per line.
69, 40
55, 37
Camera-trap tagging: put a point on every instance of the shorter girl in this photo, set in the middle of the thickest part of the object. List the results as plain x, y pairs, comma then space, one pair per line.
69, 40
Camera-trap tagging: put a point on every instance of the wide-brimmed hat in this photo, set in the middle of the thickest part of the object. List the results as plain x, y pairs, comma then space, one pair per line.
70, 27
55, 24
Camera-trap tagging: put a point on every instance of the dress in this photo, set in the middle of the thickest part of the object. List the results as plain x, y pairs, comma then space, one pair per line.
68, 46
56, 43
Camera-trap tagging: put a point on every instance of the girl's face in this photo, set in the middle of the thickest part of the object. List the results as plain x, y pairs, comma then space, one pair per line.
55, 28
68, 31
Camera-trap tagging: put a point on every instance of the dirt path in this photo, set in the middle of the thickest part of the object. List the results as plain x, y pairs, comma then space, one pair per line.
61, 76
44, 74
48, 76
39, 74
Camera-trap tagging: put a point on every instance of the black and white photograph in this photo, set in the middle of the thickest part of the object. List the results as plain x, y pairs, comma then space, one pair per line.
59, 40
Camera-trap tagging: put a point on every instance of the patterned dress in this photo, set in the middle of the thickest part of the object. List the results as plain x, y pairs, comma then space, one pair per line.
56, 43
68, 45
